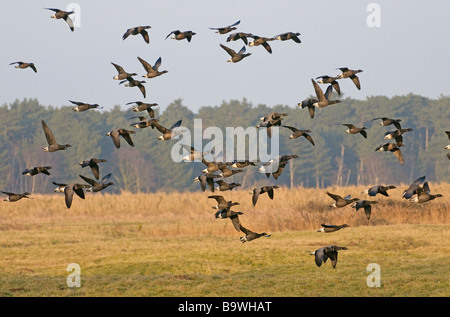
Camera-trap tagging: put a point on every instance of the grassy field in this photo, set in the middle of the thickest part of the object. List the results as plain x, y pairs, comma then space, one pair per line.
171, 245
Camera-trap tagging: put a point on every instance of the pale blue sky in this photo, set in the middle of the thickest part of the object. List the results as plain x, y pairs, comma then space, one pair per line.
408, 53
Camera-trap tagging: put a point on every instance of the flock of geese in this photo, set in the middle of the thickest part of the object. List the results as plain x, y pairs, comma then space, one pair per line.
415, 192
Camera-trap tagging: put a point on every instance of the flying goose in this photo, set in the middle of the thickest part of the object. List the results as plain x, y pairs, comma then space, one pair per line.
178, 35
331, 228
412, 189
387, 121
144, 122
278, 163
122, 74
138, 30
378, 189
226, 29
270, 120
222, 203
392, 147
36, 170
309, 103
396, 135
331, 252
341, 202
261, 190
324, 99
12, 197
97, 186
235, 57
250, 235
52, 144
239, 36
366, 205
273, 116
226, 172
257, 40
93, 164
349, 73
152, 71
135, 83
423, 194
193, 153
242, 164
211, 167
354, 130
82, 106
330, 80
59, 14
223, 186
206, 178
233, 215
288, 36
168, 134
70, 189
115, 134
298, 133
142, 106
23, 65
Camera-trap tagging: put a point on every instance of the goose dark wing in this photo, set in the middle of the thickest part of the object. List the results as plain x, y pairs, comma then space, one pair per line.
290, 128
127, 33
318, 90
218, 198
355, 80
118, 68
328, 92
68, 195
399, 155
126, 135
320, 256
334, 196
367, 211
333, 255
69, 22
228, 50
146, 65
246, 231
160, 128
88, 180
175, 125
48, 134
267, 47
142, 89
144, 34
309, 138
115, 138
235, 221
270, 192
256, 192
33, 67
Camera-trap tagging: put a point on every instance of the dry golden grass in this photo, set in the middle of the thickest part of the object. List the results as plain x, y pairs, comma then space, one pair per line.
192, 213
171, 245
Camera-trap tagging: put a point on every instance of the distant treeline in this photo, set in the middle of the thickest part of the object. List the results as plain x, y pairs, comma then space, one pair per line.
337, 158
